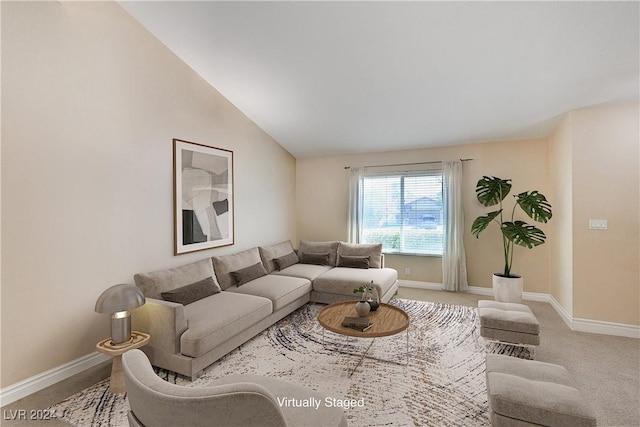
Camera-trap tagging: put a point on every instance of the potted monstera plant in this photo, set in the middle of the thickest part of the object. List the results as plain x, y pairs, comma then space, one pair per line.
491, 191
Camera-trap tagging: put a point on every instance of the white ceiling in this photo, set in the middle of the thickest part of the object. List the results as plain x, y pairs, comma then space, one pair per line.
326, 78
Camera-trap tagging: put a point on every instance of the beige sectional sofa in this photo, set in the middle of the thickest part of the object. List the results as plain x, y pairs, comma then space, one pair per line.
199, 312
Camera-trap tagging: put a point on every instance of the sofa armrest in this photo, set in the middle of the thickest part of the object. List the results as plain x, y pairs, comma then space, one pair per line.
165, 321
381, 260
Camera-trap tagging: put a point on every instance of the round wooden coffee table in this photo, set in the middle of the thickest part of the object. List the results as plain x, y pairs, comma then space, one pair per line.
387, 320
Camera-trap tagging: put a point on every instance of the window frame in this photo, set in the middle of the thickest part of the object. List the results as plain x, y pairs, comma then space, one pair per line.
403, 219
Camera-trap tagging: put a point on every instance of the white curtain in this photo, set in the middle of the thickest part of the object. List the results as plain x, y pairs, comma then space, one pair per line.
355, 203
454, 264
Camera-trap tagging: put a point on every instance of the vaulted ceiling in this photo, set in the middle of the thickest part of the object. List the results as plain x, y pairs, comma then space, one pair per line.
326, 78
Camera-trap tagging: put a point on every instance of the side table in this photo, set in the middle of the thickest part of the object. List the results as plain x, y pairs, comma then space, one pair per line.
138, 339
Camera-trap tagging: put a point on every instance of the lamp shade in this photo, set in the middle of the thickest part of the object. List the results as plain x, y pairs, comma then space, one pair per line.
119, 298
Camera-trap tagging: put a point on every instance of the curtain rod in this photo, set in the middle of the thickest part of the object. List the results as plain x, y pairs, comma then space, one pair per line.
409, 164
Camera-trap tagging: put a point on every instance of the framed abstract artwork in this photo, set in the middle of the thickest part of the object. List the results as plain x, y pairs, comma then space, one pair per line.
202, 196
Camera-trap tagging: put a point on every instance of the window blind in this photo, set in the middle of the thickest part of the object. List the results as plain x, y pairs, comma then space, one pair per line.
403, 211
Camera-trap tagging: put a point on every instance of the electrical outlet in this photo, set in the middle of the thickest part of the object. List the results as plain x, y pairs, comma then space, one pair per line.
407, 271
598, 224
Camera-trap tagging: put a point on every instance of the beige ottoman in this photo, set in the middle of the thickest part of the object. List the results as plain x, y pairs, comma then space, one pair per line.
531, 393
508, 322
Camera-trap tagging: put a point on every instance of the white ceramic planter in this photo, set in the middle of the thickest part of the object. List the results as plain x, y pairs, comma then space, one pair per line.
363, 308
507, 289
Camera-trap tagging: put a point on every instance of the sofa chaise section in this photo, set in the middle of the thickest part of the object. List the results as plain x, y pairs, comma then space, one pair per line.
334, 268
338, 284
351, 266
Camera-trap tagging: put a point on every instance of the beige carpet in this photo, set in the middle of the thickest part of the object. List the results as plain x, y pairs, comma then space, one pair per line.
443, 383
606, 368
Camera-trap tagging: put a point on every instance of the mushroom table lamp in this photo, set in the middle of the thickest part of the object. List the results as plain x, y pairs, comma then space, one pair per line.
117, 301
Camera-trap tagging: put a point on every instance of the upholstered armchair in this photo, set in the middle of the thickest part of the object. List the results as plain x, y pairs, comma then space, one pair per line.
235, 400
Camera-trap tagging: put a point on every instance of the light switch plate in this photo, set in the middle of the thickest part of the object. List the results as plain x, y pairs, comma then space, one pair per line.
598, 224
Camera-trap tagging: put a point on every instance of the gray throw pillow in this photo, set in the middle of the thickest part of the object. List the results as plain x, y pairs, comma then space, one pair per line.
286, 261
354, 261
191, 293
373, 250
247, 274
312, 247
317, 259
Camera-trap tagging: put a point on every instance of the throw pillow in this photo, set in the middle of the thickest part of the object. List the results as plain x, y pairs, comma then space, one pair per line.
191, 293
225, 264
373, 250
286, 261
268, 254
317, 259
247, 274
354, 261
312, 247
153, 284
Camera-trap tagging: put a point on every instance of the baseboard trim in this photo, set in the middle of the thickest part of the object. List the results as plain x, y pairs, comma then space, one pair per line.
420, 285
575, 324
45, 379
605, 328
476, 290
564, 315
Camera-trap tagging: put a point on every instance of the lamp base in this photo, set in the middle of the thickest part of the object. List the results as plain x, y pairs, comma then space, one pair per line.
120, 327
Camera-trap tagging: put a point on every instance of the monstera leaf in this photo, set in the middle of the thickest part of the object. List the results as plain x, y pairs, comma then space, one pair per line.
523, 234
491, 190
483, 222
535, 205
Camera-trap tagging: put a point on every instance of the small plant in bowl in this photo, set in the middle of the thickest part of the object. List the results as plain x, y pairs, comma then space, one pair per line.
369, 295
362, 307
361, 290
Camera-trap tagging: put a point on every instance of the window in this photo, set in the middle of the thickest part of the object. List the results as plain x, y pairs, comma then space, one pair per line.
403, 211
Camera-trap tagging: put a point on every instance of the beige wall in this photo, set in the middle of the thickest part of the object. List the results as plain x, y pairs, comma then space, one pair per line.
322, 205
561, 225
606, 177
594, 174
90, 105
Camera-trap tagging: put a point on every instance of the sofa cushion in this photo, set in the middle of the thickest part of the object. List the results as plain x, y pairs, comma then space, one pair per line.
247, 274
305, 271
313, 258
343, 280
225, 264
215, 319
531, 369
190, 293
307, 246
373, 250
353, 261
153, 284
537, 402
270, 253
508, 317
281, 290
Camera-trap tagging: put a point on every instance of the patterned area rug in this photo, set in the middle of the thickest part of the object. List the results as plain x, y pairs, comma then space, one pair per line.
443, 383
